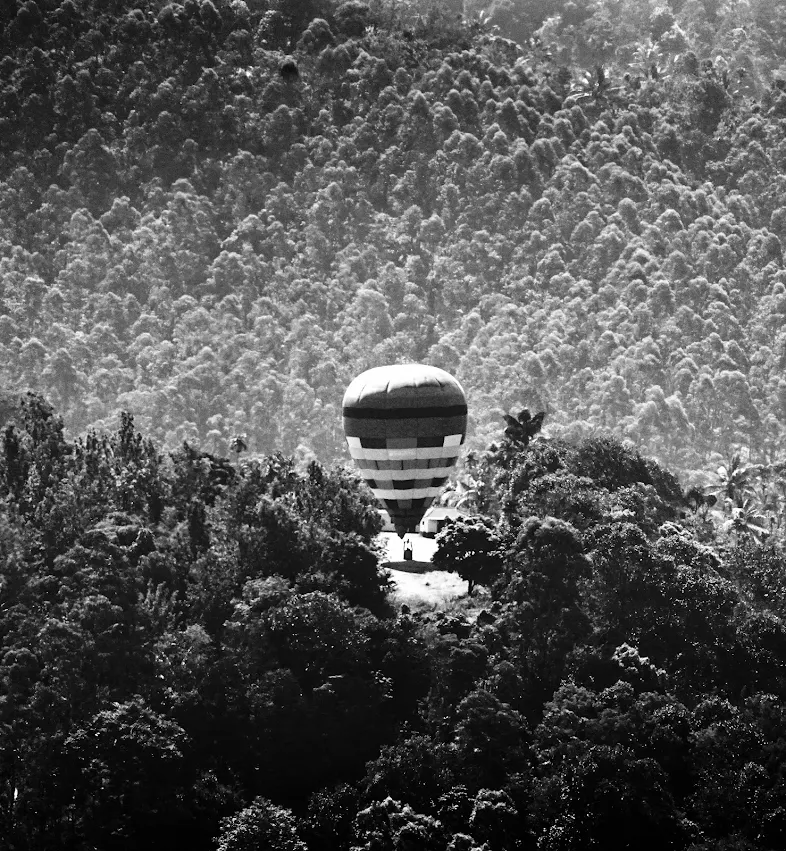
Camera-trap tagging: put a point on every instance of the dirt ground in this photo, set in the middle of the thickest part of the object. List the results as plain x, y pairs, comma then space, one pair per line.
416, 584
434, 588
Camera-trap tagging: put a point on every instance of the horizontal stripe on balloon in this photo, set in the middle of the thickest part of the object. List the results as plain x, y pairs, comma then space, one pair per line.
400, 442
406, 506
410, 493
415, 395
368, 457
416, 412
424, 473
426, 427
444, 439
446, 453
367, 466
405, 484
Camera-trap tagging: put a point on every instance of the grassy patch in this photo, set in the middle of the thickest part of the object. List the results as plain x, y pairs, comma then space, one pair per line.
437, 590
431, 588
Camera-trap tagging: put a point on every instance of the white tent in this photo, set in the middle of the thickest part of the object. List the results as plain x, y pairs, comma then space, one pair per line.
436, 517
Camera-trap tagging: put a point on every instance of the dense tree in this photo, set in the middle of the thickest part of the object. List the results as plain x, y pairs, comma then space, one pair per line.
169, 157
217, 213
187, 630
471, 548
262, 824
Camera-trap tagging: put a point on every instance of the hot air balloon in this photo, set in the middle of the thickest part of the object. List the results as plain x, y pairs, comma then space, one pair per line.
405, 425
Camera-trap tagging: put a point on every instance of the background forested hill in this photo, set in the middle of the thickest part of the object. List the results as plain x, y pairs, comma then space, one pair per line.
216, 238
212, 215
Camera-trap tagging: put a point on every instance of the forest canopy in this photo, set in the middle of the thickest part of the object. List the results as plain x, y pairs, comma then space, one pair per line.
216, 214
209, 649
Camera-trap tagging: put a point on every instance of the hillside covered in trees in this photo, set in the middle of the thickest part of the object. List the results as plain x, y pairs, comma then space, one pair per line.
215, 214
204, 650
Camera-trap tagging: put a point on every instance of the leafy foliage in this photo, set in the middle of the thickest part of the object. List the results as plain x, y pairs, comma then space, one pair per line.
215, 214
470, 548
207, 646
217, 244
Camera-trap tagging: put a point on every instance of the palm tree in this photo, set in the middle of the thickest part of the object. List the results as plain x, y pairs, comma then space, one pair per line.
745, 521
523, 428
733, 484
648, 62
238, 444
462, 495
700, 502
519, 431
770, 491
594, 86
766, 494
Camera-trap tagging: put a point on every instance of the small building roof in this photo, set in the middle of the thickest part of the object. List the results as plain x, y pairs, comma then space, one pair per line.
439, 512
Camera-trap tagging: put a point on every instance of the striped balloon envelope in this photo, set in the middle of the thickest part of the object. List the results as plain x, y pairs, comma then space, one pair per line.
405, 425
